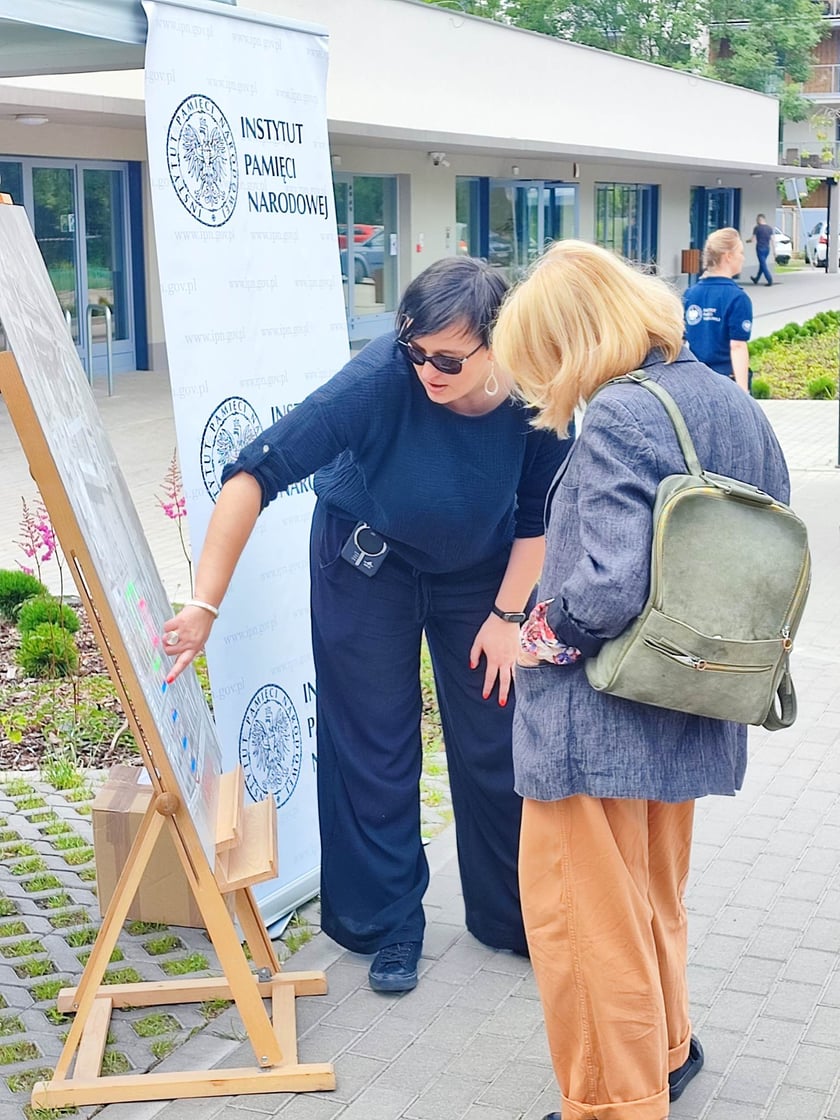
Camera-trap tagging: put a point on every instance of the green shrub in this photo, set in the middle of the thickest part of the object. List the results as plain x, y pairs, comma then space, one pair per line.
43, 608
16, 588
48, 651
760, 389
823, 388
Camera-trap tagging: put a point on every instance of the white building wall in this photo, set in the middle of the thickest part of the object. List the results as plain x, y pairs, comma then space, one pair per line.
446, 73
406, 78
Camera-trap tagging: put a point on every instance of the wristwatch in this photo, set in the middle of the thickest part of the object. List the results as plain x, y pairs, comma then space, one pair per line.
509, 616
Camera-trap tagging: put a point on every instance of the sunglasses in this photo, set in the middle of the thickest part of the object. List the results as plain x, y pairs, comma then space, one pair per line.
442, 362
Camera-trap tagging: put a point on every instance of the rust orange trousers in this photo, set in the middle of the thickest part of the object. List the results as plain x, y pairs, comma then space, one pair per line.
602, 884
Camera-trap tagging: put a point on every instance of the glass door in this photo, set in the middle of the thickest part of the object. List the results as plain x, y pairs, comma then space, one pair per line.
516, 226
366, 212
713, 208
104, 245
525, 218
54, 223
79, 214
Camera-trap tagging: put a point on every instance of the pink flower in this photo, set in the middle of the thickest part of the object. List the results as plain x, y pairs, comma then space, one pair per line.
173, 503
38, 540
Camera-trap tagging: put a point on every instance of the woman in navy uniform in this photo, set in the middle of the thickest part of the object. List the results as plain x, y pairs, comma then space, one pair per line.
718, 313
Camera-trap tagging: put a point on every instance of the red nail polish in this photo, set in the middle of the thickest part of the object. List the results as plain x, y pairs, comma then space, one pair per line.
502, 703
484, 695
472, 664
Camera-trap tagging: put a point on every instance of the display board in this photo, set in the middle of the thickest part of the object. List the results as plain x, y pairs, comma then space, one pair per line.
221, 849
97, 492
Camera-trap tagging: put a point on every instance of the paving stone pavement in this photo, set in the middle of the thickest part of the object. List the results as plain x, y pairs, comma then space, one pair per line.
764, 929
763, 900
764, 905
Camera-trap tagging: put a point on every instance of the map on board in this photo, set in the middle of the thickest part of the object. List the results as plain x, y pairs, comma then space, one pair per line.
105, 516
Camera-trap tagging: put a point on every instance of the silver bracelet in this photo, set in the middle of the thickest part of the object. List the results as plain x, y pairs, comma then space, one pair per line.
204, 606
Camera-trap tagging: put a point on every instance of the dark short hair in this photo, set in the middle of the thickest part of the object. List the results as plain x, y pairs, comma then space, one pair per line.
453, 290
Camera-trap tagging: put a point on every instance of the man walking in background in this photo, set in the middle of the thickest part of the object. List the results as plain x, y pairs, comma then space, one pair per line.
762, 234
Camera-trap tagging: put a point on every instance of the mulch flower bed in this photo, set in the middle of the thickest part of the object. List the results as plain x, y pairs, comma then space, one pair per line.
79, 714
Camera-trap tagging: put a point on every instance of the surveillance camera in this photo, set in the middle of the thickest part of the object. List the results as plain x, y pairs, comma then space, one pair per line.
438, 159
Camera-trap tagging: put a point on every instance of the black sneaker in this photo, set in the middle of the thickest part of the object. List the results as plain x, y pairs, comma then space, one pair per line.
394, 968
679, 1078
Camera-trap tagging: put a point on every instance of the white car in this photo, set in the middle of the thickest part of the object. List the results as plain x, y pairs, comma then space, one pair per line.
816, 245
782, 247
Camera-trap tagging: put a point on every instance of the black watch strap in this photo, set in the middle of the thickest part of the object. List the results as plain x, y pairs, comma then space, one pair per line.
509, 616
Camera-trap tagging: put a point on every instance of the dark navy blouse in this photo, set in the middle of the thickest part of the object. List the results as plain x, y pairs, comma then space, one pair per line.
447, 491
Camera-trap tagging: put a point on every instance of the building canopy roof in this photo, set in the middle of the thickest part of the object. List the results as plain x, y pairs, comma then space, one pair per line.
71, 36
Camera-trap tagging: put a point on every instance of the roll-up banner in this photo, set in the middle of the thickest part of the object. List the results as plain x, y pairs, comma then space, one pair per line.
253, 313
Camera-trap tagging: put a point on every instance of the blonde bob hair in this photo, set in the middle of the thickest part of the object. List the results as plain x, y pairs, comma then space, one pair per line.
718, 244
582, 316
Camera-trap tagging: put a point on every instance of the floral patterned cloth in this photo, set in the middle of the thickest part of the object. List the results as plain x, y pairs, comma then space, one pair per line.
537, 638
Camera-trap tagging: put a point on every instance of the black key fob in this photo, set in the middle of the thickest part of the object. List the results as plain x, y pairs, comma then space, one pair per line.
365, 549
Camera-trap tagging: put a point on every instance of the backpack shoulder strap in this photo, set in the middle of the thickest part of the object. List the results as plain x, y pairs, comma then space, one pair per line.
683, 437
670, 405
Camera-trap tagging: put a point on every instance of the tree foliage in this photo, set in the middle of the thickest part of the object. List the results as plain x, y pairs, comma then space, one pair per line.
765, 45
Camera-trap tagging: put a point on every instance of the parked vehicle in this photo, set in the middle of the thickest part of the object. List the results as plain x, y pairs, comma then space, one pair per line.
782, 247
816, 245
368, 255
361, 232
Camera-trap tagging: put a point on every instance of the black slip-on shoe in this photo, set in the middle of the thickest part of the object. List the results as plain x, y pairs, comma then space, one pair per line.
679, 1078
394, 968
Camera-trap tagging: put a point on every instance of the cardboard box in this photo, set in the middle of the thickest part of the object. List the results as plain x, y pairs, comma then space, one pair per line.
164, 894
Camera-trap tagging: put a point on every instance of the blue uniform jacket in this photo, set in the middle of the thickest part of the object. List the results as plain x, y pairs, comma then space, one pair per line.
568, 738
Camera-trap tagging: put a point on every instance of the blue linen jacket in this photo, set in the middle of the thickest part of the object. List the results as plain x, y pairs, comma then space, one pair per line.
569, 739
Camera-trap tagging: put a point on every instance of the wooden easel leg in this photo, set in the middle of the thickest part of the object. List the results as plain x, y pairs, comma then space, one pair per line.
222, 933
256, 935
115, 915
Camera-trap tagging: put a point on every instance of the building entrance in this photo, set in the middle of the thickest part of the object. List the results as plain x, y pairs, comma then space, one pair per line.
78, 211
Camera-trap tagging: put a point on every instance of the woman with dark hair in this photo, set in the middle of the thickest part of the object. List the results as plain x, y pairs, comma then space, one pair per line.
431, 483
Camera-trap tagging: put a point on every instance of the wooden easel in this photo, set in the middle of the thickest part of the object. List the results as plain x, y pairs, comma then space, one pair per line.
244, 842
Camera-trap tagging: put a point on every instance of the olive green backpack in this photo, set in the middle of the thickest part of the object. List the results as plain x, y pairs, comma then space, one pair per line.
730, 572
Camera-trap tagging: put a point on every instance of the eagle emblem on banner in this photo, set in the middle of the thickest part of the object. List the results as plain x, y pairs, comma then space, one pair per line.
270, 745
202, 160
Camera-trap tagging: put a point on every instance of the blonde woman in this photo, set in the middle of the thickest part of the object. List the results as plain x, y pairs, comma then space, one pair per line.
609, 784
718, 313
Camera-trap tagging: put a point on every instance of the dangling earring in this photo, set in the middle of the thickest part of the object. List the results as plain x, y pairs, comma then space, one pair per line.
491, 385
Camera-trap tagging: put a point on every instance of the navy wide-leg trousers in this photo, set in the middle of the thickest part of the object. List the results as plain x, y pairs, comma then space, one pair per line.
366, 640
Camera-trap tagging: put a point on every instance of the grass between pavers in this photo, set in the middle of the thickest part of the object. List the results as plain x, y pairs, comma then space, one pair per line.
47, 892
160, 1033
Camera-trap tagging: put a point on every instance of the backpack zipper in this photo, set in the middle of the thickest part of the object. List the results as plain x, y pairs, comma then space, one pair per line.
692, 661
